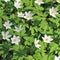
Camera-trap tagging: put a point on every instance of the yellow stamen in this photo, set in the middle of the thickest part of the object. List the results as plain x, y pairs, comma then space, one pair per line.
14, 40
39, 0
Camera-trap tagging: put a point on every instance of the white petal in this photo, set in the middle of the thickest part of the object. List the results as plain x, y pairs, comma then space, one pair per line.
56, 58
2, 33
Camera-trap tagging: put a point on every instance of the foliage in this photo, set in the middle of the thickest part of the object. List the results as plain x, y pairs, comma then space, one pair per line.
41, 23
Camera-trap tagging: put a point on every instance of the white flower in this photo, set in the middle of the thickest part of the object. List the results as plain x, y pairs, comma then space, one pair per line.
57, 58
39, 2
6, 0
7, 24
47, 39
58, 1
6, 35
36, 42
18, 29
20, 14
53, 11
17, 4
28, 15
15, 40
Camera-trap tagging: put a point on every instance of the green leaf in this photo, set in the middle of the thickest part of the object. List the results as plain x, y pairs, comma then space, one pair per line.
53, 47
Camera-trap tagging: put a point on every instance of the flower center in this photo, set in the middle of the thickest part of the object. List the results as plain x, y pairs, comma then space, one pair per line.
20, 15
4, 36
52, 12
28, 16
36, 43
39, 0
17, 4
7, 24
14, 40
59, 0
46, 39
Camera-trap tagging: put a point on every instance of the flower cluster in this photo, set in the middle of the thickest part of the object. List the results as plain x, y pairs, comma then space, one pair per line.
52, 11
6, 36
46, 39
28, 15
